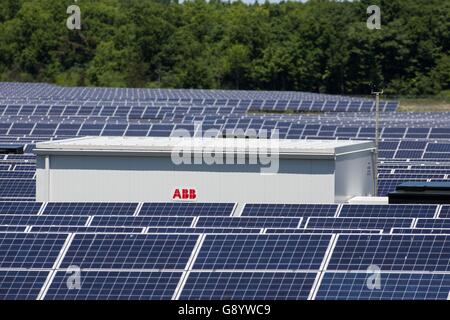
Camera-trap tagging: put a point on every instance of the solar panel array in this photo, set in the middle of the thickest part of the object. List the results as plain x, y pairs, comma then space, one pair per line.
219, 250
266, 251
30, 113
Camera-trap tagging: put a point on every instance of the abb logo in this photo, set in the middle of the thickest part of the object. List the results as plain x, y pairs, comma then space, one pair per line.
184, 194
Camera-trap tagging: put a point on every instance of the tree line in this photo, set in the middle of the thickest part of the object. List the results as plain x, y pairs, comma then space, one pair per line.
318, 46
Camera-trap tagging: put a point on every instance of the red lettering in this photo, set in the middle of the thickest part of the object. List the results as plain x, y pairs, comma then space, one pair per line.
176, 194
184, 194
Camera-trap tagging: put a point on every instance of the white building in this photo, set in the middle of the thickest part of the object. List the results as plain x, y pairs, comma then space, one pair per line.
152, 169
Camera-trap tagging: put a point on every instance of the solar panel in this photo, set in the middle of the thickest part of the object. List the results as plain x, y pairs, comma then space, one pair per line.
129, 251
186, 209
433, 223
262, 252
26, 220
438, 147
357, 223
445, 212
147, 221
247, 286
113, 285
27, 250
289, 210
17, 188
16, 174
412, 145
248, 222
79, 208
419, 231
392, 286
388, 211
198, 230
391, 252
21, 285
323, 231
408, 154
82, 229
12, 228
18, 207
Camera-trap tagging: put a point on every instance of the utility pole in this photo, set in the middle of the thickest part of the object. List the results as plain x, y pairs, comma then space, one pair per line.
377, 93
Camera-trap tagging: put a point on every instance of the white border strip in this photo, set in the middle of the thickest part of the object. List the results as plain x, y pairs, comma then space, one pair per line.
323, 267
42, 208
188, 268
338, 211
56, 265
138, 209
438, 212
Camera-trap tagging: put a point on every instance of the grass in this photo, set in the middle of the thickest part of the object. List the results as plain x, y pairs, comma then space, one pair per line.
434, 104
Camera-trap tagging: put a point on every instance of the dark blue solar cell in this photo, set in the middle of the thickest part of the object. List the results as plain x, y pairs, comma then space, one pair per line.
30, 250
282, 252
138, 130
395, 130
162, 127
418, 130
12, 228
289, 210
419, 231
201, 230
391, 252
21, 285
47, 129
19, 207
436, 155
347, 130
82, 229
388, 211
147, 221
21, 128
186, 209
247, 286
388, 145
56, 110
21, 157
91, 129
408, 154
357, 223
391, 286
412, 145
25, 167
48, 220
90, 208
386, 154
248, 222
130, 251
68, 129
112, 285
445, 212
323, 231
433, 223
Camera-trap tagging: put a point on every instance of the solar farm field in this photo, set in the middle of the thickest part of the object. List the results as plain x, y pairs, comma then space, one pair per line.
164, 251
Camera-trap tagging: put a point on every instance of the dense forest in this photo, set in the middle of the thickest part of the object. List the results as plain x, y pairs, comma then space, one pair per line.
319, 46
